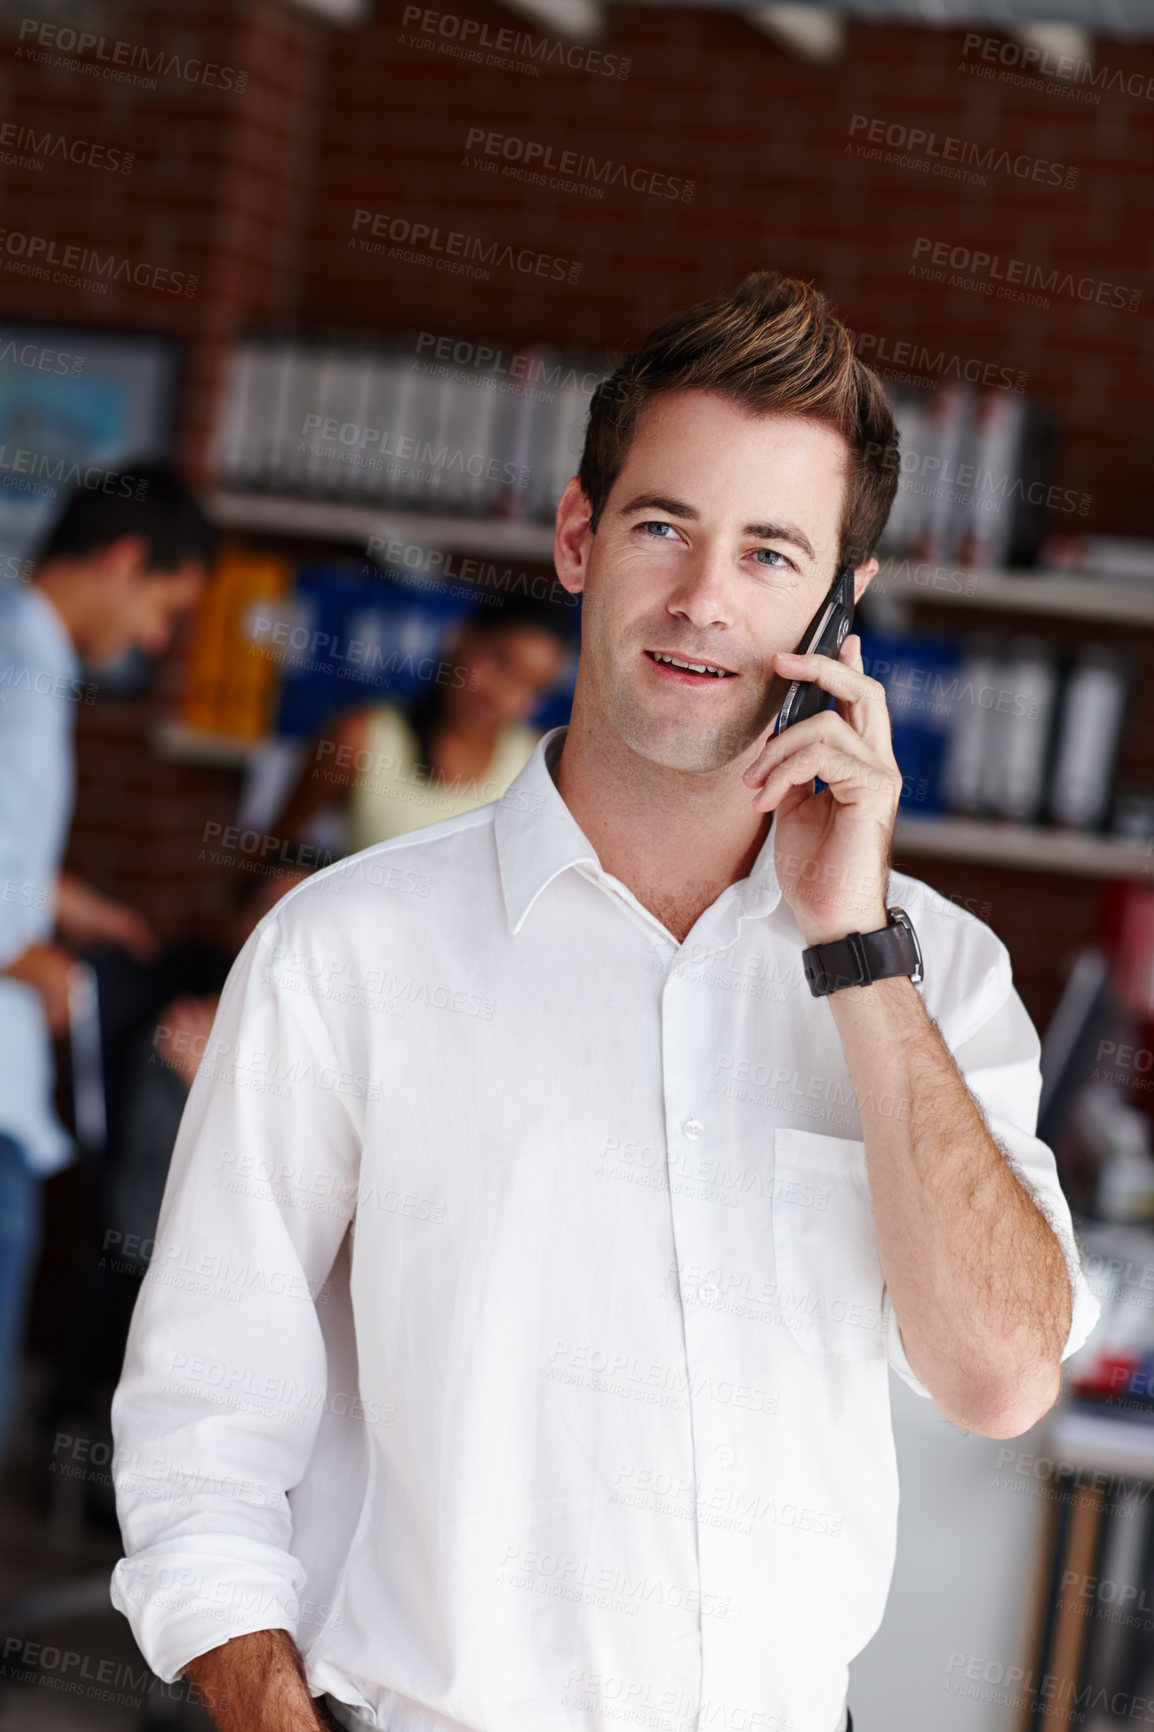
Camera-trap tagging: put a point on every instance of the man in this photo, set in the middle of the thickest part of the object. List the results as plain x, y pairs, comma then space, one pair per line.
514, 1349
116, 571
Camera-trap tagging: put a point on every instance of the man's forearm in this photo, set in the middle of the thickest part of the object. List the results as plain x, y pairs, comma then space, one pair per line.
70, 891
257, 1683
977, 1279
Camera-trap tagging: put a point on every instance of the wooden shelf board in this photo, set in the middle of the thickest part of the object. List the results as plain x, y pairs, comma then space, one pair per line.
1008, 844
358, 523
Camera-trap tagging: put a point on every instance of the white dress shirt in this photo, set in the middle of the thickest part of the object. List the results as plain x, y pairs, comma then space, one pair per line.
589, 1420
40, 687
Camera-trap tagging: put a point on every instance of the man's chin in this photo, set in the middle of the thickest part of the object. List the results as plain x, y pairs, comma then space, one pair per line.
699, 753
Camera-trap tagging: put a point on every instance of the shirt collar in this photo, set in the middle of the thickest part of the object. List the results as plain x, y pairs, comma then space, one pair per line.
55, 643
537, 837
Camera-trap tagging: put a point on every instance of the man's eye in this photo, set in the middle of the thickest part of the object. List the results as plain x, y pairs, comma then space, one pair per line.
772, 553
657, 523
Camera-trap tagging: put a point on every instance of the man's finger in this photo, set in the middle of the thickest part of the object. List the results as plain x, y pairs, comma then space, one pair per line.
852, 779
828, 725
861, 699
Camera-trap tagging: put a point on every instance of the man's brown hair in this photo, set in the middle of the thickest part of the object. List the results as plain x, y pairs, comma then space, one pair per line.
773, 344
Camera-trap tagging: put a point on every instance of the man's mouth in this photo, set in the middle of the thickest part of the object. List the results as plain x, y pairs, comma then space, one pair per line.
683, 668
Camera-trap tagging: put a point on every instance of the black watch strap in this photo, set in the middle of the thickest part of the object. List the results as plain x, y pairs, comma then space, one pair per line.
863, 957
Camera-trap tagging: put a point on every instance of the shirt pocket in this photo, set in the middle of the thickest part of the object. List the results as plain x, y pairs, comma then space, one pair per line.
829, 1276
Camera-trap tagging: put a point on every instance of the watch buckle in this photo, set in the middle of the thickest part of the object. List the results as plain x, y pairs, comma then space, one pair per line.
854, 940
899, 917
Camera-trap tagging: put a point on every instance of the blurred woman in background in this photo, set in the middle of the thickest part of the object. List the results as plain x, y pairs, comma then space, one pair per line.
457, 747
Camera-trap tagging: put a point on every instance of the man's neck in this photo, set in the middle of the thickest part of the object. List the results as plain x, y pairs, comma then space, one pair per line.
675, 838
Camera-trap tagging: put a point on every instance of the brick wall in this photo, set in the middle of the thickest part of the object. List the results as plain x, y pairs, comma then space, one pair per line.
256, 193
764, 140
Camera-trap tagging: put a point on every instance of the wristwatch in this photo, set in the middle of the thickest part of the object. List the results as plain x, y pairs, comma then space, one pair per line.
862, 957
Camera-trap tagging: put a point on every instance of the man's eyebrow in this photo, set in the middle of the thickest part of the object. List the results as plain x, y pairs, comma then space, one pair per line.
659, 502
678, 508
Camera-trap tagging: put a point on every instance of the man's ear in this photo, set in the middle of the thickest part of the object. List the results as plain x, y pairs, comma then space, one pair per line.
571, 536
125, 557
862, 576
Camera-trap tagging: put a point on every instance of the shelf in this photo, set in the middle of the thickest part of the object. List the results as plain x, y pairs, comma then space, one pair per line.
1059, 594
337, 520
993, 843
1101, 1443
180, 744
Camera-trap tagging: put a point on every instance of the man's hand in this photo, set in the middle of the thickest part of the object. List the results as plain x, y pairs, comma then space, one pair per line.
47, 968
84, 916
832, 849
181, 1035
257, 1683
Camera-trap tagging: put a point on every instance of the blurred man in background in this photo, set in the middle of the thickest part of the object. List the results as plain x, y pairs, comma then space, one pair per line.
115, 573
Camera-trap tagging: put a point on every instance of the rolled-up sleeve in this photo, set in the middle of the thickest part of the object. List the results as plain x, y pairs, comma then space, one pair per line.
222, 1386
999, 1055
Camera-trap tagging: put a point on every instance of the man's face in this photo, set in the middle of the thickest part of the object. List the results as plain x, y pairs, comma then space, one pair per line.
718, 542
142, 604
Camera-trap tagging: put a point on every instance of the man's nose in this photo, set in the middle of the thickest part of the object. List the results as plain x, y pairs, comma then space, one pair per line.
702, 592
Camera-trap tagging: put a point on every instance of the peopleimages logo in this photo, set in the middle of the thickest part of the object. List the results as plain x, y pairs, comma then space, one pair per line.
528, 159
60, 44
1031, 65
452, 250
17, 462
985, 269
513, 50
35, 355
81, 267
988, 483
24, 147
945, 155
886, 356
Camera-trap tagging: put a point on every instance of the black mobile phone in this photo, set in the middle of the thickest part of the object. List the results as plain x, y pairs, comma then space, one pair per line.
824, 636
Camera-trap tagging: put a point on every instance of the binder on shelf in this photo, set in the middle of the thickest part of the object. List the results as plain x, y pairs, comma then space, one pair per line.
966, 760
946, 433
1036, 460
984, 521
404, 480
1022, 716
974, 473
570, 418
908, 513
253, 414
485, 423
342, 393
231, 682
234, 461
1090, 730
362, 479
920, 675
529, 419
295, 436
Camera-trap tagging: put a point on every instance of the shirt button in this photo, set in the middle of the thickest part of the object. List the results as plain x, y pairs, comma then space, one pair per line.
693, 1128
708, 1292
723, 1456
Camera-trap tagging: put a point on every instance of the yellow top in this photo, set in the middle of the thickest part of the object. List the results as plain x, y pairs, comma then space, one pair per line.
391, 795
